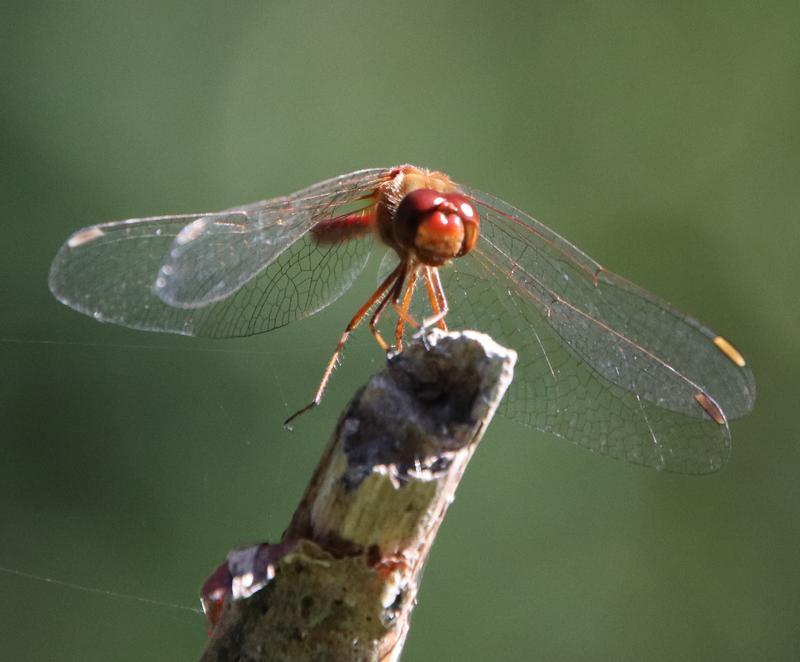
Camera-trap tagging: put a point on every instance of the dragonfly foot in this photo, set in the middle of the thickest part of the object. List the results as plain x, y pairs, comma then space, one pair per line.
287, 424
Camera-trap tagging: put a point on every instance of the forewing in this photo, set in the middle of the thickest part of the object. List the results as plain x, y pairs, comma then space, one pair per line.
625, 333
234, 273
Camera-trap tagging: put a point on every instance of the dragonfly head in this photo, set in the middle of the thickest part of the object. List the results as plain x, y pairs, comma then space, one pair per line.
436, 227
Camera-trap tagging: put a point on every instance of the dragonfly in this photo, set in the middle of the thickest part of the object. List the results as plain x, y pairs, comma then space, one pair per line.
602, 362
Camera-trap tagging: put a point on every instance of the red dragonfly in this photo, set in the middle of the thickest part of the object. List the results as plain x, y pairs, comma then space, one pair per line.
602, 362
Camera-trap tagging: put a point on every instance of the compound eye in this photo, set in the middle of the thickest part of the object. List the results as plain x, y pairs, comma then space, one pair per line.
469, 218
463, 207
419, 203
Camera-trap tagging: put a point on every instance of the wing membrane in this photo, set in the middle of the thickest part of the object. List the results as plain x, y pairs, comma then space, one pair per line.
233, 273
625, 333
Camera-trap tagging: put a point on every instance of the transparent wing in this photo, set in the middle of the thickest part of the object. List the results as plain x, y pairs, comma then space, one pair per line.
234, 273
602, 362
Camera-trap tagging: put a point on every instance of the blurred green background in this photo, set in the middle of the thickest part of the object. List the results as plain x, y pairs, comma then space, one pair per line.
661, 138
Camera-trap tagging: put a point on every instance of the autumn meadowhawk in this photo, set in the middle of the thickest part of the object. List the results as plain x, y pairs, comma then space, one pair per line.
602, 362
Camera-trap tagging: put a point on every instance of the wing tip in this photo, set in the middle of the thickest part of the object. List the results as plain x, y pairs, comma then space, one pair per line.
84, 236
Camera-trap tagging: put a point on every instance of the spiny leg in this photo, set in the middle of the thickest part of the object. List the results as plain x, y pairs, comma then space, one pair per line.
438, 300
403, 317
392, 294
390, 282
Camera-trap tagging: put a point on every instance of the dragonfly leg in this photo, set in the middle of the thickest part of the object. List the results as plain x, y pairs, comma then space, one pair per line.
403, 317
388, 285
392, 295
438, 300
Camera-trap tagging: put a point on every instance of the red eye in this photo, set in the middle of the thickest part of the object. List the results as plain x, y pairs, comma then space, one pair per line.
418, 203
469, 217
463, 206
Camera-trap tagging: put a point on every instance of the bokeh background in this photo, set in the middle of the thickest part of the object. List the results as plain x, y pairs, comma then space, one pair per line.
662, 138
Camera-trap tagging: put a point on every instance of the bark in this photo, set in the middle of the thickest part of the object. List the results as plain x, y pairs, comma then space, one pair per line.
342, 583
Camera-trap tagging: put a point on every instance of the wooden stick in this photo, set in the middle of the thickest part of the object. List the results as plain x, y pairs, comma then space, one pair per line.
343, 582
